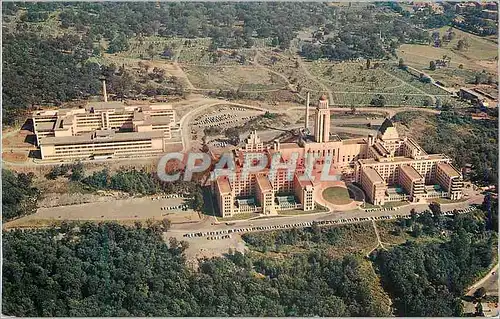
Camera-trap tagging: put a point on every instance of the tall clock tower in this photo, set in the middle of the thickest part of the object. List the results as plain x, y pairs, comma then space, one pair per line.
322, 121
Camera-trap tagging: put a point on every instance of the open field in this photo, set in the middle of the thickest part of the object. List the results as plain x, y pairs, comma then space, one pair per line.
353, 77
243, 78
190, 51
197, 52
352, 84
133, 65
419, 56
288, 66
481, 53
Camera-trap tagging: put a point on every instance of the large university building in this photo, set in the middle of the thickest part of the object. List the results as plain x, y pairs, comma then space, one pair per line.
103, 130
387, 167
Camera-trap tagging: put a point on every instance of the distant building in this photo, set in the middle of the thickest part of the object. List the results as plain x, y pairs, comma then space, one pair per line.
103, 130
473, 96
490, 14
466, 6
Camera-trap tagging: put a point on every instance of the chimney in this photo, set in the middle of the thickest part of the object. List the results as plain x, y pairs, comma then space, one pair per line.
307, 111
371, 140
276, 145
104, 94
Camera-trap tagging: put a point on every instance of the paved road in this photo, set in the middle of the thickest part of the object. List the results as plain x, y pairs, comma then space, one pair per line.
489, 282
211, 224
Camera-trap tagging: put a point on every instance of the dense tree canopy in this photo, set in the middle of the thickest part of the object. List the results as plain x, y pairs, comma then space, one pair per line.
40, 70
110, 270
18, 194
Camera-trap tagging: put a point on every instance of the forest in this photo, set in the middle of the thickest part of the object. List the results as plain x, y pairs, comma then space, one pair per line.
111, 270
18, 195
366, 34
48, 70
429, 279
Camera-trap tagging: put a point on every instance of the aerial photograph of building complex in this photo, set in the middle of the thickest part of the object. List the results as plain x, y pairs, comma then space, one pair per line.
250, 159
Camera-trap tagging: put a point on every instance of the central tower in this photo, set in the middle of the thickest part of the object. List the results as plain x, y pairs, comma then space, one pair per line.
322, 121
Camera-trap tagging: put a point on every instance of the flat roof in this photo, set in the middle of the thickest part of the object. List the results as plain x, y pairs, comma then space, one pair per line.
106, 137
448, 169
411, 172
289, 145
373, 175
223, 185
105, 105
350, 141
162, 119
403, 159
304, 182
264, 183
45, 126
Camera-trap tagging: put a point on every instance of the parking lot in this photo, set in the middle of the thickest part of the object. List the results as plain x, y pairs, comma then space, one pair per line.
222, 234
225, 117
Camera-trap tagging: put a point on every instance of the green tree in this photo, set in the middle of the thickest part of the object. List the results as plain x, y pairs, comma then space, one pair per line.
401, 64
118, 44
77, 171
432, 65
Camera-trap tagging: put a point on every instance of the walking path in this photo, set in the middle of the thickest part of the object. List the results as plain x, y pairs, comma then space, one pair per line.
492, 273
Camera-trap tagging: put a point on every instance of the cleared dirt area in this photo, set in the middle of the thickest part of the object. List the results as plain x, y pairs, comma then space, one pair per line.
15, 157
133, 209
170, 68
18, 139
200, 248
66, 199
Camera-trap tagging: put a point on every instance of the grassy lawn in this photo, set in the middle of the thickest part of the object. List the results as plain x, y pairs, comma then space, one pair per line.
242, 216
395, 204
448, 201
386, 205
318, 209
337, 195
370, 206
